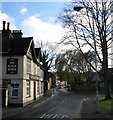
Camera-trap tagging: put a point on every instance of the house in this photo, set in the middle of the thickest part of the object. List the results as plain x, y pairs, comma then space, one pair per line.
52, 80
40, 72
22, 75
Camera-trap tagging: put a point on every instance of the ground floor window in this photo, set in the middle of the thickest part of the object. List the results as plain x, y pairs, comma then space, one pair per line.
14, 90
27, 88
41, 86
37, 87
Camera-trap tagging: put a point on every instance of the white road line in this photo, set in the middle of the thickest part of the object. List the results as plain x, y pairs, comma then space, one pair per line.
54, 116
63, 116
42, 115
49, 116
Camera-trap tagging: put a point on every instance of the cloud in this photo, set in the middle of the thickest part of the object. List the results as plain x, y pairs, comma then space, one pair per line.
5, 17
52, 19
42, 31
37, 15
23, 11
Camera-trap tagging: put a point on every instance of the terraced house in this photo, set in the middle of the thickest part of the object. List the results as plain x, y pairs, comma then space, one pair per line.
22, 74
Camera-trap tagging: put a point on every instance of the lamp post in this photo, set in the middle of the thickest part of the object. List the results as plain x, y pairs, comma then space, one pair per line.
96, 77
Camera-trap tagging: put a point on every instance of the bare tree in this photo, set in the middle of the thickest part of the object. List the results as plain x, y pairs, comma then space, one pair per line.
89, 22
48, 56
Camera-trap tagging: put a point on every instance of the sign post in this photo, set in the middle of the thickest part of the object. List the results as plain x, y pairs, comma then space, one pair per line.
96, 79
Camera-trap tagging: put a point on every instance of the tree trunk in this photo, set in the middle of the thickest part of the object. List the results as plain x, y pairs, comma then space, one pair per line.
107, 86
105, 71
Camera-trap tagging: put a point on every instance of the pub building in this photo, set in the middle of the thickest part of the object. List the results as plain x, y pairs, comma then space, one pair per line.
22, 73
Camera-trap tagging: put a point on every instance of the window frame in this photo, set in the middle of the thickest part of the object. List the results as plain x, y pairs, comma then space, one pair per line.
15, 88
38, 87
28, 66
28, 93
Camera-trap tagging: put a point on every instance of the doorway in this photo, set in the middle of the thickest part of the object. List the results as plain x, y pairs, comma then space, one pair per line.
34, 90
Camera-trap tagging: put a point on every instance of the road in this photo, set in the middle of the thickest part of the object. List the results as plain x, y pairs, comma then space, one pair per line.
64, 104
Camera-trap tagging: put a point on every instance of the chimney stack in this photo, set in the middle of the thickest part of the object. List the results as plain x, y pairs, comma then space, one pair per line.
17, 33
6, 37
8, 25
4, 22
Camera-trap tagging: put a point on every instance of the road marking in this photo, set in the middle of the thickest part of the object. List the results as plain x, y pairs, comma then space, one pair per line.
63, 116
42, 115
54, 116
48, 116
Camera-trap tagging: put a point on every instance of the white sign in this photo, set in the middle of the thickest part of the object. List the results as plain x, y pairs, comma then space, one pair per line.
96, 77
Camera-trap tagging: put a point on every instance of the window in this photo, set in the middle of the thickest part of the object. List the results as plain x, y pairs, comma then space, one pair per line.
41, 86
37, 86
28, 66
34, 70
14, 90
28, 88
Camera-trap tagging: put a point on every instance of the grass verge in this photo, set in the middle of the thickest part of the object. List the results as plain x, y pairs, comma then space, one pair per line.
106, 106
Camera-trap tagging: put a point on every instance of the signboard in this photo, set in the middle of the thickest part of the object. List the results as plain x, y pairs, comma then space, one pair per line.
96, 77
12, 66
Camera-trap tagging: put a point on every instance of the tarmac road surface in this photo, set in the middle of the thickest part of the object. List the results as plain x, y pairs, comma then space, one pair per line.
63, 105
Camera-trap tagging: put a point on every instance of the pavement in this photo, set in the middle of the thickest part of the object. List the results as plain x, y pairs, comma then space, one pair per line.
10, 111
87, 111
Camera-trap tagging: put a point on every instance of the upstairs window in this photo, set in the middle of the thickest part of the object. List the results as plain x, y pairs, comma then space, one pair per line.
28, 66
35, 71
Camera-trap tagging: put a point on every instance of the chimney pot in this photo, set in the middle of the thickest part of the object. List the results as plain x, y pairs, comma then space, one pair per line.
4, 22
8, 25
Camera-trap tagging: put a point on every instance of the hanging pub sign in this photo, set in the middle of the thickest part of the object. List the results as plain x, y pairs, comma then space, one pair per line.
12, 66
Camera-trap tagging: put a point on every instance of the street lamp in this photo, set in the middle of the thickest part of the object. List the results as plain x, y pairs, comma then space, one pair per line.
96, 77
78, 8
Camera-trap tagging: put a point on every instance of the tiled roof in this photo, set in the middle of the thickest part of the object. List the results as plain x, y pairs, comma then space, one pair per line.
38, 53
19, 46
